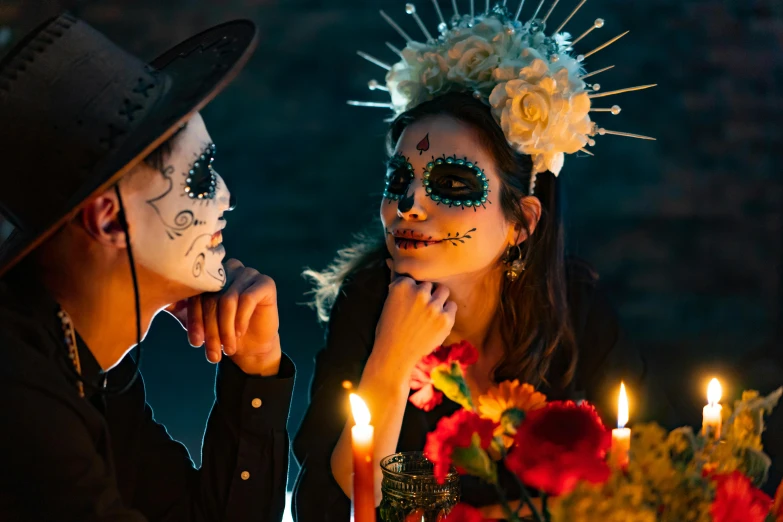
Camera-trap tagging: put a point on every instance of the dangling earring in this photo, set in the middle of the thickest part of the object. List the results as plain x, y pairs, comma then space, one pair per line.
515, 265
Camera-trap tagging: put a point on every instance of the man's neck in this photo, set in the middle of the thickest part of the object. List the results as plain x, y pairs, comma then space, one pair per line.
103, 310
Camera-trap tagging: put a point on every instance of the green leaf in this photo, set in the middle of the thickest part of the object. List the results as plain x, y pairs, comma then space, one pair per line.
451, 381
475, 461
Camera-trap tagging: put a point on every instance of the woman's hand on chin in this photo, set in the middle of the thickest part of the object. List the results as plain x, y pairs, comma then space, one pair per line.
416, 319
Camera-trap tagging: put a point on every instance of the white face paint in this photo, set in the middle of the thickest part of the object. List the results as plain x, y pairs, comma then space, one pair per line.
174, 232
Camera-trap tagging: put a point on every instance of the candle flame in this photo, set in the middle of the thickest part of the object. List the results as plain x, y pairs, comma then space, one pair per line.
361, 415
622, 407
714, 392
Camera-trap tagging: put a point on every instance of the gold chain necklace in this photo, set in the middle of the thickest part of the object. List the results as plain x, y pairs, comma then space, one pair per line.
73, 350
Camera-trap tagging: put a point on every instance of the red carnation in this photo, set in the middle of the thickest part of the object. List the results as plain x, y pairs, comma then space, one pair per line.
736, 500
559, 445
457, 433
427, 397
777, 507
463, 513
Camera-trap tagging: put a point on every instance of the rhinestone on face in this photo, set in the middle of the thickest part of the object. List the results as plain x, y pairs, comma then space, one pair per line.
426, 182
449, 160
429, 190
439, 161
435, 198
458, 203
430, 165
468, 203
460, 162
446, 201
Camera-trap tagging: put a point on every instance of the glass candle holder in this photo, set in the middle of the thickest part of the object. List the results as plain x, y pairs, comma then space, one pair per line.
410, 491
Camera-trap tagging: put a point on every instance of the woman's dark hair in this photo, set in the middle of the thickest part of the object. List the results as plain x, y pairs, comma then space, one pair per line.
535, 319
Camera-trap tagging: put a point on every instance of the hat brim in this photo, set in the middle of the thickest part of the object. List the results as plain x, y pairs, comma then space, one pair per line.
199, 69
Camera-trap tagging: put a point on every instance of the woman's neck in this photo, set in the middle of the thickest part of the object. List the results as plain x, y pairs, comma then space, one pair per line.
477, 299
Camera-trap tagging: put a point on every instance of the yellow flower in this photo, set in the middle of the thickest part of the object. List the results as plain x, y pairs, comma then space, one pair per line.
506, 404
509, 395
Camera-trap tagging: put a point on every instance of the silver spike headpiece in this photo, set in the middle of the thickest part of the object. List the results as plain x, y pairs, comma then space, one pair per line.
533, 82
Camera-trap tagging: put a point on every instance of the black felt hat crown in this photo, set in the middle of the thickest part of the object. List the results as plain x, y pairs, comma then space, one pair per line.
77, 113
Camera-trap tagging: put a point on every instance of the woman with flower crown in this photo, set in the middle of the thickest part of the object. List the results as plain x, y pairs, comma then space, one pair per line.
469, 251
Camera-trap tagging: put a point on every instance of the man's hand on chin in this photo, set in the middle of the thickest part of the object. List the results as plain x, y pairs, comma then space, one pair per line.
240, 321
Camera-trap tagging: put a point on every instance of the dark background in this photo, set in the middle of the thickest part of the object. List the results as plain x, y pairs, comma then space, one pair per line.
685, 231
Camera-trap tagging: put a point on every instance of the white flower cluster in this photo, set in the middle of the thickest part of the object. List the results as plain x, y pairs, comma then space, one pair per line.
530, 80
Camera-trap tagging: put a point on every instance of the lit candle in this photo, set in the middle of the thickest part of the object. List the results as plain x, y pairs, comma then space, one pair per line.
363, 468
621, 436
711, 421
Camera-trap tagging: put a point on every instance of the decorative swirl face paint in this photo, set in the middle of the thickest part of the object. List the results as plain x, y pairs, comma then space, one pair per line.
176, 214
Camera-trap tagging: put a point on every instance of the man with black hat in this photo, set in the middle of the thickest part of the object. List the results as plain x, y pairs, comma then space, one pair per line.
112, 211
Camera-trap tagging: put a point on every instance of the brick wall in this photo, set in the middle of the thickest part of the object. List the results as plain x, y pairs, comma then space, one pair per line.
686, 231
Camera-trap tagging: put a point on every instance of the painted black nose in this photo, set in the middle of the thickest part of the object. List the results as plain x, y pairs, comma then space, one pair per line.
406, 203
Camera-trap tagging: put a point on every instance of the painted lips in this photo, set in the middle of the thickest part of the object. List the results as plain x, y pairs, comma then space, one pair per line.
407, 239
216, 239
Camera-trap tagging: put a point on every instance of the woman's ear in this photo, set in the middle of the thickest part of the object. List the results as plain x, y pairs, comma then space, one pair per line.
531, 208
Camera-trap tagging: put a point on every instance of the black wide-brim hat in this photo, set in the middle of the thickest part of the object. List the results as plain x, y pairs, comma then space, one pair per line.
77, 113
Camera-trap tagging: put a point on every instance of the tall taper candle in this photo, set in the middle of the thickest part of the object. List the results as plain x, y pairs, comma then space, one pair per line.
363, 465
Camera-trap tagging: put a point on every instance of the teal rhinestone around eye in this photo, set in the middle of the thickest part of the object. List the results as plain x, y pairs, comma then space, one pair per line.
426, 182
430, 165
468, 203
435, 198
439, 161
426, 175
446, 201
458, 203
429, 190
449, 160
486, 185
460, 162
410, 167
469, 165
484, 199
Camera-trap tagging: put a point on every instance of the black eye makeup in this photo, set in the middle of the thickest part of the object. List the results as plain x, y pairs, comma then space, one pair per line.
456, 182
202, 178
399, 174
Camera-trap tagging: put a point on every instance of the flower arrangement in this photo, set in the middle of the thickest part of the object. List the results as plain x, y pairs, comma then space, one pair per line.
560, 450
531, 80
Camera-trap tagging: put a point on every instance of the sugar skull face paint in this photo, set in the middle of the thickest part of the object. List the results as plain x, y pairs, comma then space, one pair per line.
456, 181
436, 234
176, 214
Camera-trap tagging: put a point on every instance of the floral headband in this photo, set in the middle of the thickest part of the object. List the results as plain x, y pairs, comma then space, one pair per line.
534, 85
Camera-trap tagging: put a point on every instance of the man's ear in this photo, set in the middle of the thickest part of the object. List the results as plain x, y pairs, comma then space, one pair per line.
100, 218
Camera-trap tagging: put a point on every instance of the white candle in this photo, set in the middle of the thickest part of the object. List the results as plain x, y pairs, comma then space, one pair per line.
363, 468
621, 436
711, 420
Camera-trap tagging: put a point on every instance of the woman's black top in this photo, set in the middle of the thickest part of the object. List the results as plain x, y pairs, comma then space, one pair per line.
602, 362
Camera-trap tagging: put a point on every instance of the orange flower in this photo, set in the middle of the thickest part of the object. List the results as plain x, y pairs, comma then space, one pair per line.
513, 398
509, 395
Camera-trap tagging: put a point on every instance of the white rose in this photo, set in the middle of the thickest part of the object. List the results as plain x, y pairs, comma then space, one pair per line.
420, 74
541, 117
472, 61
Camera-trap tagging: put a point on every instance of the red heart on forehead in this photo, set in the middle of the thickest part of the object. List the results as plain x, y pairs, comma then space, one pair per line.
424, 144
